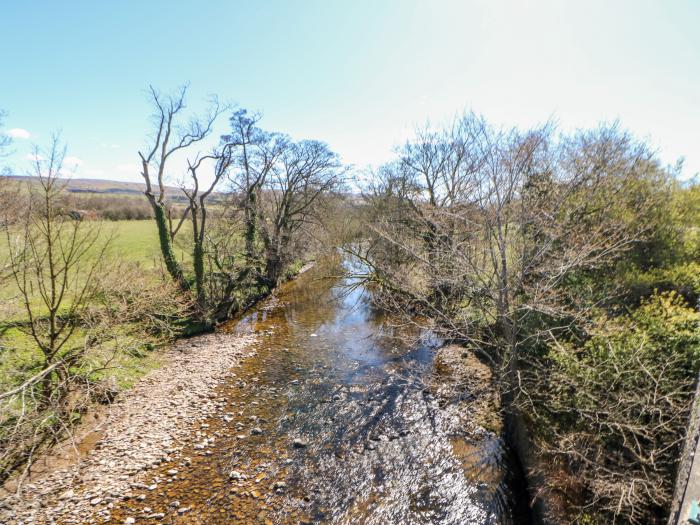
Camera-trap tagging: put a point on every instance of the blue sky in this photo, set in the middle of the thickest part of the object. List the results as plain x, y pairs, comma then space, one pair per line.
357, 74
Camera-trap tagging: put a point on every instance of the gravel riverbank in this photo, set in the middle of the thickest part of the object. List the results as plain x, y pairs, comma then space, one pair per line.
145, 427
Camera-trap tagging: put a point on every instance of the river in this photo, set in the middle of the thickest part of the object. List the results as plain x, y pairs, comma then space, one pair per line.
336, 419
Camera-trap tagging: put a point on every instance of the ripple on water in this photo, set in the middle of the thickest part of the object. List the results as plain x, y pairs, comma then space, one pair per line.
379, 445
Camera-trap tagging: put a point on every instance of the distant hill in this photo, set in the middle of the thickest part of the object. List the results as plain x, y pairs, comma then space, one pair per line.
107, 186
114, 188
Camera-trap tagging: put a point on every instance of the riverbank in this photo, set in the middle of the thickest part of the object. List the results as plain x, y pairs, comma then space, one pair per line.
337, 416
461, 376
147, 426
337, 419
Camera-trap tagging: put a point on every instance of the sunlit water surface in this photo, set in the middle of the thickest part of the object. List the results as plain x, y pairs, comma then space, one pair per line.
374, 445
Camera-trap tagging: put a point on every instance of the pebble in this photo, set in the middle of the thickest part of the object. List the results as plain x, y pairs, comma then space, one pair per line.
141, 434
300, 443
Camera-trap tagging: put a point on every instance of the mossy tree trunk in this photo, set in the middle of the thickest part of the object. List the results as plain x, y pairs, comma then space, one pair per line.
250, 225
166, 244
198, 225
171, 137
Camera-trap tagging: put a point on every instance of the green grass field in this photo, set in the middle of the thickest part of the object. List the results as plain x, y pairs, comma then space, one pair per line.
133, 241
137, 241
129, 242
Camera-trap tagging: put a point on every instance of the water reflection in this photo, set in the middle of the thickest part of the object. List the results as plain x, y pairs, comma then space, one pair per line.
381, 448
342, 416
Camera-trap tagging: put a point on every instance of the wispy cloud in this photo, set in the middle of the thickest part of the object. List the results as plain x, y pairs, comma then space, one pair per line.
34, 157
18, 133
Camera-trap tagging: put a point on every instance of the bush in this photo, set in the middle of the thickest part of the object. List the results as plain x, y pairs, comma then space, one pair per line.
684, 279
131, 313
138, 299
612, 410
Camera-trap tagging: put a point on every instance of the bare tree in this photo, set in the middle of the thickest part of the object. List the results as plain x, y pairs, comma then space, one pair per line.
492, 226
306, 172
279, 182
498, 235
222, 159
55, 260
170, 137
257, 155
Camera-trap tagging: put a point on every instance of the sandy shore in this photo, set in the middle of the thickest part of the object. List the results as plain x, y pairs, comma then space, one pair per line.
147, 426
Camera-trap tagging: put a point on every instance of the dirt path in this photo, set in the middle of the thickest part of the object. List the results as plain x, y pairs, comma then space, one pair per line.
144, 429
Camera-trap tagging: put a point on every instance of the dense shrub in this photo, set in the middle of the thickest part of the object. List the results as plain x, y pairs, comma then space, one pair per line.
682, 278
612, 410
109, 207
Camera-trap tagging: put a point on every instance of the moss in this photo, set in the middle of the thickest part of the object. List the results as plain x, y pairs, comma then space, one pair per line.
194, 327
166, 247
293, 269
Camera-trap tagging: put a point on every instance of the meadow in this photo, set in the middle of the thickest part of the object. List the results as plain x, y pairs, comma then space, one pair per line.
137, 241
131, 242
132, 253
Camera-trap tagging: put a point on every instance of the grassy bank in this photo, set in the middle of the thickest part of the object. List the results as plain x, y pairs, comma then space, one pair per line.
132, 254
137, 309
132, 310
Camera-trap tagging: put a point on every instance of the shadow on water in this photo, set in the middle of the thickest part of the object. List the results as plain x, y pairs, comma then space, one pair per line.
381, 447
336, 420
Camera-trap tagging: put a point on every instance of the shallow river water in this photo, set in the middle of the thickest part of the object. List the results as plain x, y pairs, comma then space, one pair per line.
334, 420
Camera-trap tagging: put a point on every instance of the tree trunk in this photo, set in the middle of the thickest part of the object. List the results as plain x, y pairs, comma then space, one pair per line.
273, 266
47, 389
166, 245
250, 226
198, 262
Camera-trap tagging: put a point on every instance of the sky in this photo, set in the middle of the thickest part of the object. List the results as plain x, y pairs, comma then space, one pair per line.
357, 74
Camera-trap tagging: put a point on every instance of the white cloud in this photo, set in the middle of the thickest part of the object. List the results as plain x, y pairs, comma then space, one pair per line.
18, 133
72, 161
93, 172
128, 169
34, 157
